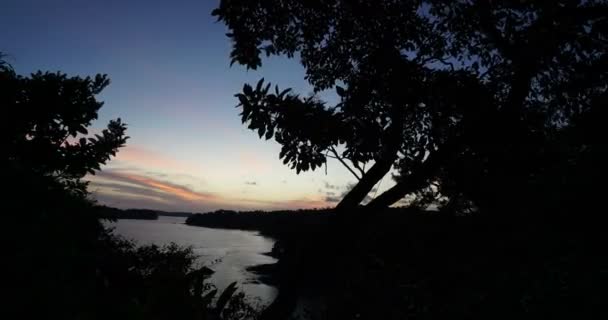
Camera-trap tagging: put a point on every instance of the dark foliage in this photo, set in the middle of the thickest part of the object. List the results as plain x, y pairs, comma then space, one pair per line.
61, 262
272, 223
492, 109
44, 115
412, 264
485, 100
406, 263
115, 213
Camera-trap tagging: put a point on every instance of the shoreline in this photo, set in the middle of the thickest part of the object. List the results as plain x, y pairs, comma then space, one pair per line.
265, 273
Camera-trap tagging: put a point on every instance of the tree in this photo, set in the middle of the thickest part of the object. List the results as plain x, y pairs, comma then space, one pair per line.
61, 259
466, 96
43, 166
44, 114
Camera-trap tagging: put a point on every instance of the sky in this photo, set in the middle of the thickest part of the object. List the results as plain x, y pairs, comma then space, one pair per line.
172, 83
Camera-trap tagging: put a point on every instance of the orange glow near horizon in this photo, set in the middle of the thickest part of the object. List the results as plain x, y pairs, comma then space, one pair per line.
143, 157
123, 184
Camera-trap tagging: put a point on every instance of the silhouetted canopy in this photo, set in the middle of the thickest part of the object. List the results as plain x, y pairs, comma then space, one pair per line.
45, 122
472, 97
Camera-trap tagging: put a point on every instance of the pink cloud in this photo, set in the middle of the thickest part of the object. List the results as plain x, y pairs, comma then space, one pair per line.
140, 156
161, 186
143, 157
125, 188
253, 162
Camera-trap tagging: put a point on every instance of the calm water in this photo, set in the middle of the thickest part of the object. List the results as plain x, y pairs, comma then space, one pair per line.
227, 252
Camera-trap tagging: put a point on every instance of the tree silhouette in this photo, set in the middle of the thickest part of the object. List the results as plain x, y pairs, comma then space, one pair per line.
467, 97
62, 261
44, 114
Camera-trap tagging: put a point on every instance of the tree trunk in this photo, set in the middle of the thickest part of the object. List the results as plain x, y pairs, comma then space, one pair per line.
397, 192
380, 168
367, 182
418, 180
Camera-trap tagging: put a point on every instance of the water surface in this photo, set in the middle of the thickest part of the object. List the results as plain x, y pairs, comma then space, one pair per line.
227, 252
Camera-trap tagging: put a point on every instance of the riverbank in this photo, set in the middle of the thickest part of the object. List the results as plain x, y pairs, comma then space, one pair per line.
134, 214
266, 273
376, 265
227, 252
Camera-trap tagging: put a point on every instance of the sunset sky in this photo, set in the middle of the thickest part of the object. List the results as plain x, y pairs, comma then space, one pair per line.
171, 81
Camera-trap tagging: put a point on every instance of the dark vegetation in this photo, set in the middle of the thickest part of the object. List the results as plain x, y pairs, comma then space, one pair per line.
111, 213
61, 262
115, 213
272, 223
478, 102
491, 110
406, 262
494, 111
174, 214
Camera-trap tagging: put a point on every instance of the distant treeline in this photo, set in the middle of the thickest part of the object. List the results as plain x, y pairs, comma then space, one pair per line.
174, 214
115, 213
281, 223
268, 222
144, 214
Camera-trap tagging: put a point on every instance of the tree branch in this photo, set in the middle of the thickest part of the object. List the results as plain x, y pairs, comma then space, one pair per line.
441, 60
358, 167
488, 71
486, 18
419, 179
337, 156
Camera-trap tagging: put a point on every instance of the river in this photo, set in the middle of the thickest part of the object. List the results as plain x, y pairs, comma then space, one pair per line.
227, 252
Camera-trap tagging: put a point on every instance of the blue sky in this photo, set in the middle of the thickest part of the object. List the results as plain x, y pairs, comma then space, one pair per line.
171, 81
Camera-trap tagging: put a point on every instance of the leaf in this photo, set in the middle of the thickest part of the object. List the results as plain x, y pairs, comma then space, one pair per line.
258, 87
247, 89
208, 298
340, 91
243, 99
269, 134
246, 113
305, 166
82, 129
267, 88
225, 297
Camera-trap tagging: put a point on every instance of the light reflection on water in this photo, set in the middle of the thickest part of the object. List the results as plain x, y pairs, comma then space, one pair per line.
227, 252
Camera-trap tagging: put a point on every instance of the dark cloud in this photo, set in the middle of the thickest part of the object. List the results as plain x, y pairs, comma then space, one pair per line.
330, 196
143, 181
134, 189
125, 189
157, 174
128, 201
332, 199
334, 193
331, 186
